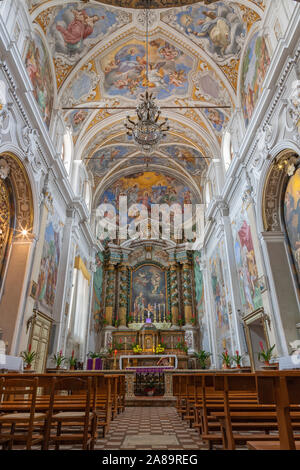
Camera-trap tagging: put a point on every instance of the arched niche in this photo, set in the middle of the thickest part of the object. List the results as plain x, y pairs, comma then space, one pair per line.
17, 217
280, 261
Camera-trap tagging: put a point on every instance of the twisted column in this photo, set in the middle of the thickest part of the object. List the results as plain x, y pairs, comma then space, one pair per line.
110, 293
123, 298
174, 293
187, 292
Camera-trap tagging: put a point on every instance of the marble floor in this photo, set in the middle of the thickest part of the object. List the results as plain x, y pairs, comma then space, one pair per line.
147, 428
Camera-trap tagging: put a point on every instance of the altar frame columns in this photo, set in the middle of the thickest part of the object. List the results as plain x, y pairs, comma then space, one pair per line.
187, 292
123, 299
174, 292
110, 293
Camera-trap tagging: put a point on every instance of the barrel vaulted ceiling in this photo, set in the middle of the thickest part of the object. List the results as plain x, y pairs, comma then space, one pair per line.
99, 57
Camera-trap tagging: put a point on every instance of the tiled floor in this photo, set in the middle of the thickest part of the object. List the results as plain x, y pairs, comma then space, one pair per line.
149, 428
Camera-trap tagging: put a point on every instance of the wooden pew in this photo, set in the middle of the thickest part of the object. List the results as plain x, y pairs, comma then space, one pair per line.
281, 388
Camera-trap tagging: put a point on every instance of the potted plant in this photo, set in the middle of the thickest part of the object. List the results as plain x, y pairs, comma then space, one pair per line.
150, 388
130, 319
58, 358
226, 360
159, 349
193, 321
237, 359
202, 356
182, 346
72, 361
265, 355
180, 322
28, 357
137, 349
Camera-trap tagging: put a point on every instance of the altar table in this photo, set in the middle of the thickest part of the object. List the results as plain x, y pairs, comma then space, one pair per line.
11, 363
148, 356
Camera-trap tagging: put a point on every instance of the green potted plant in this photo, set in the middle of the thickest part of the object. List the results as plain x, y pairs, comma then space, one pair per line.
202, 357
226, 360
58, 358
28, 357
180, 322
265, 355
237, 359
72, 361
182, 346
159, 349
137, 349
130, 319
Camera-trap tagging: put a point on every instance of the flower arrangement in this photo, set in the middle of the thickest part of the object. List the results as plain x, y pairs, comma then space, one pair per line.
58, 358
130, 319
72, 361
182, 346
93, 355
202, 357
180, 322
193, 320
265, 355
159, 349
237, 359
28, 357
137, 349
226, 359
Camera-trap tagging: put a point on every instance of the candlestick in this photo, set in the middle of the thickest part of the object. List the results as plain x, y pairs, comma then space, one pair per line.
115, 360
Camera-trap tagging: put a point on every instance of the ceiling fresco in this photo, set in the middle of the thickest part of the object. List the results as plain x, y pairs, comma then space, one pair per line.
124, 70
195, 50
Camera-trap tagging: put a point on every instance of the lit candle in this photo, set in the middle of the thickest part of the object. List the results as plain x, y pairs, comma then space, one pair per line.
116, 352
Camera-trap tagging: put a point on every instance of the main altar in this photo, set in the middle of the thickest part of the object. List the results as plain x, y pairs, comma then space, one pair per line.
146, 309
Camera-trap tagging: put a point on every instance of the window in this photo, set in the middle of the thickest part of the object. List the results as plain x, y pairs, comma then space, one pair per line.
227, 150
67, 149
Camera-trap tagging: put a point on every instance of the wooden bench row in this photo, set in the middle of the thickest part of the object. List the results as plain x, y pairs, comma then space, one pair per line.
58, 409
261, 409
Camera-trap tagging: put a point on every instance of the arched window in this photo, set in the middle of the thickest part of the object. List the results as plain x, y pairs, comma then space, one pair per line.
291, 212
79, 303
227, 150
87, 194
208, 192
67, 151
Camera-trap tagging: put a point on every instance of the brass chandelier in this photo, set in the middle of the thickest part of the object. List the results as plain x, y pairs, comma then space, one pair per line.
147, 131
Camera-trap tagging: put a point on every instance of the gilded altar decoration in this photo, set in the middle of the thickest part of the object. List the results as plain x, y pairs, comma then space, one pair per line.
5, 223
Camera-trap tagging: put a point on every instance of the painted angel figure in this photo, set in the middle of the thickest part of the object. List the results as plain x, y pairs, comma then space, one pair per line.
77, 30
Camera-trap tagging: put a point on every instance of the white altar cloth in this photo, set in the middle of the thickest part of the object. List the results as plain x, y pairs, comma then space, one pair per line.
12, 363
146, 356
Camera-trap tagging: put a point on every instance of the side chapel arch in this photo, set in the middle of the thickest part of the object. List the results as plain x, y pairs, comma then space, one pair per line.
17, 224
276, 239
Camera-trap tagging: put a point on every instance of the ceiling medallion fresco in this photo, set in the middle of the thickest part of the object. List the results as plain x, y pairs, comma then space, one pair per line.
219, 29
124, 70
75, 28
105, 158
